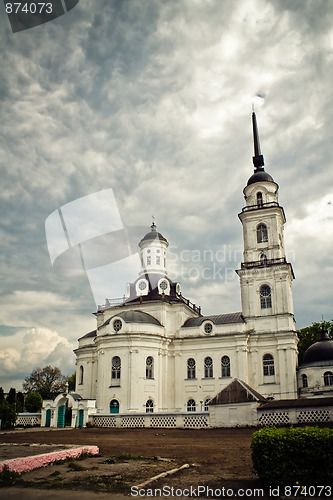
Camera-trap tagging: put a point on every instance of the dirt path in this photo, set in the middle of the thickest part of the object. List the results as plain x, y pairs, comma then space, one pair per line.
217, 456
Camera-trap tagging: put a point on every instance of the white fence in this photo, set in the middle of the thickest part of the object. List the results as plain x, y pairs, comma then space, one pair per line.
28, 419
189, 420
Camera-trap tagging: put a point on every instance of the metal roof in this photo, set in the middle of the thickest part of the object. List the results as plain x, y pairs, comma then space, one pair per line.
217, 319
134, 316
237, 392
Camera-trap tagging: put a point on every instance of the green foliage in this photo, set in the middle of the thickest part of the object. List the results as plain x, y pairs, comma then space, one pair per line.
48, 381
310, 334
11, 397
286, 455
19, 402
7, 414
113, 459
8, 477
2, 394
72, 382
33, 402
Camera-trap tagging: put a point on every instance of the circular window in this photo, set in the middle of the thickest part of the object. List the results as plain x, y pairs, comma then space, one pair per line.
208, 328
148, 251
164, 285
117, 324
142, 285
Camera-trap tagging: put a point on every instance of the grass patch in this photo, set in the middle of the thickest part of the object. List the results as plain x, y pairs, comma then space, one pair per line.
75, 466
123, 457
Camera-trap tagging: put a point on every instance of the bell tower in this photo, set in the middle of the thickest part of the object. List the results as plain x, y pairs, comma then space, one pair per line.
265, 275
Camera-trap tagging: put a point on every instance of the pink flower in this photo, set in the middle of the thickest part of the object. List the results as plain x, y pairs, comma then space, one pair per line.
34, 462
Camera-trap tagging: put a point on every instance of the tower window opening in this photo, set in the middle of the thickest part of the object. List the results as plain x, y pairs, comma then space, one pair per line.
304, 380
225, 365
81, 375
262, 234
148, 260
265, 297
150, 367
328, 378
191, 368
268, 365
150, 406
259, 199
208, 365
158, 260
191, 405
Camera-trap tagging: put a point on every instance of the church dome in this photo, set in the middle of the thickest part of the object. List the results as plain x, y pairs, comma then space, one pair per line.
322, 350
153, 235
260, 176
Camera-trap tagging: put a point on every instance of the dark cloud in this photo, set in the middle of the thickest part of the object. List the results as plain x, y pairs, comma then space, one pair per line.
153, 99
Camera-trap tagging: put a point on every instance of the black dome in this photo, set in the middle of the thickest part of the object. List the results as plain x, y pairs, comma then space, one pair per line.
260, 176
322, 350
153, 235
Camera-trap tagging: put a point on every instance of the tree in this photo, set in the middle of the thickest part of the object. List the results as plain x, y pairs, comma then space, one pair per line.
11, 397
310, 334
19, 401
48, 381
72, 382
7, 414
33, 402
2, 394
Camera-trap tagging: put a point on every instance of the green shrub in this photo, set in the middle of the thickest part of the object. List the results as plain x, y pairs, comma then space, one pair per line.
286, 455
9, 477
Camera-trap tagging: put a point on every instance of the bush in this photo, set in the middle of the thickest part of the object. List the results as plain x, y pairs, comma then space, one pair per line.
286, 455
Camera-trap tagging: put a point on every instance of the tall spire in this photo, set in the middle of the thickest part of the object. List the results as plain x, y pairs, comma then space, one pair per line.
258, 159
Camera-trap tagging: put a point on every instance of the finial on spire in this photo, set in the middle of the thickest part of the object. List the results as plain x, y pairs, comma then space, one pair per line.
258, 159
153, 226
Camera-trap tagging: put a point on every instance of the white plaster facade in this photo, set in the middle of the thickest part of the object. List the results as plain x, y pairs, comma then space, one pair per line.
156, 352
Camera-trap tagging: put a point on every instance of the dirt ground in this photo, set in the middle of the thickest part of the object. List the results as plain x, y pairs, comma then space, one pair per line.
217, 457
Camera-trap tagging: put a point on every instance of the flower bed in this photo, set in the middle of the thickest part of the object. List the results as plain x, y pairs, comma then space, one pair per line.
34, 462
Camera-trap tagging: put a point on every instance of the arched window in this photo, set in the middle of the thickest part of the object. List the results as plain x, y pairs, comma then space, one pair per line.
115, 371
191, 368
262, 235
225, 364
328, 378
81, 375
150, 406
191, 406
158, 260
149, 367
265, 297
208, 365
206, 407
304, 380
148, 260
259, 199
114, 406
268, 365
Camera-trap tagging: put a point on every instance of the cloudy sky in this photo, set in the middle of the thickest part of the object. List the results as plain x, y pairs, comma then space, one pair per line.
152, 99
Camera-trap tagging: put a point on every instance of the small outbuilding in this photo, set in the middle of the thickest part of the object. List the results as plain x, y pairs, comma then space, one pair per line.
235, 405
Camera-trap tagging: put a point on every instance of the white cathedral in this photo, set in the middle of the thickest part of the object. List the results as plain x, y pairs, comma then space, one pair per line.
155, 352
